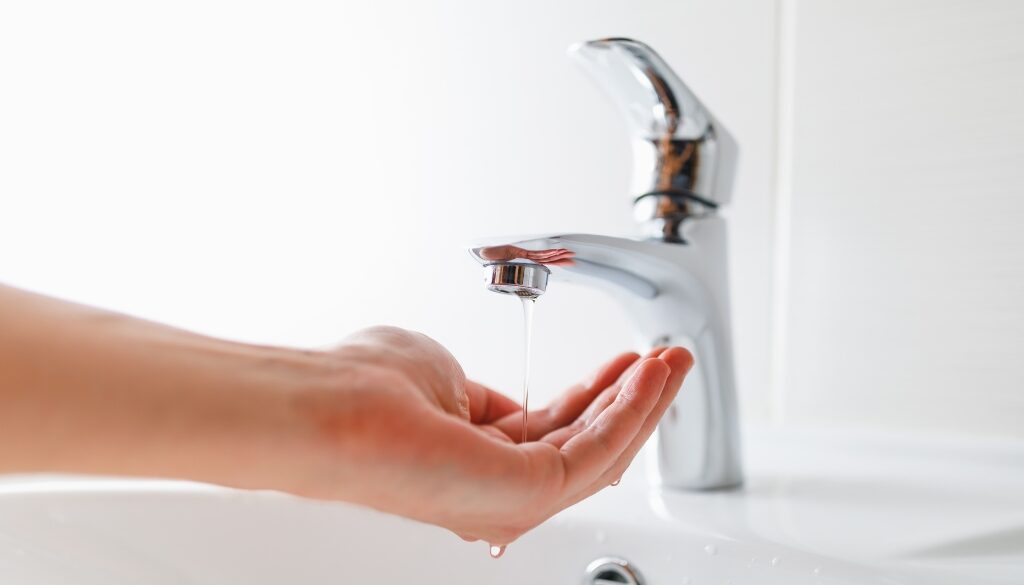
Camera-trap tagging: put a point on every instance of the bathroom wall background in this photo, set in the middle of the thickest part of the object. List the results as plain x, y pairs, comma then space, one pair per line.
287, 173
906, 263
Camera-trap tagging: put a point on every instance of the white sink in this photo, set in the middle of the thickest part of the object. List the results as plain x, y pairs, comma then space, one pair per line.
817, 509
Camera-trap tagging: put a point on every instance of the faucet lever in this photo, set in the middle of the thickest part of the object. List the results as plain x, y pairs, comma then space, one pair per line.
684, 159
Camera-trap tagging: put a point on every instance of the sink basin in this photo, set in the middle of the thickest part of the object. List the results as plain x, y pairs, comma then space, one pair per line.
818, 508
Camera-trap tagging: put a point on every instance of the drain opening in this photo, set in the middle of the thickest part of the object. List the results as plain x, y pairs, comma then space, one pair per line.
612, 571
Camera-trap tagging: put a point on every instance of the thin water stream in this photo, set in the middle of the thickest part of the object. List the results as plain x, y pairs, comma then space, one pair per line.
528, 304
529, 301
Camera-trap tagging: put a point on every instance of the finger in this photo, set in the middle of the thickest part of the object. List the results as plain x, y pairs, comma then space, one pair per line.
486, 405
605, 396
567, 407
594, 450
681, 361
652, 353
575, 400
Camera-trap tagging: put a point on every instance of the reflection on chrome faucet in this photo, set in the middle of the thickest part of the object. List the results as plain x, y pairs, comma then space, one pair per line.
684, 158
553, 256
674, 285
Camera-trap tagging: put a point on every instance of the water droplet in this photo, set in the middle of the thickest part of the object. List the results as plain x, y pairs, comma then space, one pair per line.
776, 561
711, 550
600, 536
616, 482
753, 560
816, 572
497, 550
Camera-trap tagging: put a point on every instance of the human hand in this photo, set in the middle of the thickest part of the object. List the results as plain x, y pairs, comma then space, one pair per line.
388, 420
399, 428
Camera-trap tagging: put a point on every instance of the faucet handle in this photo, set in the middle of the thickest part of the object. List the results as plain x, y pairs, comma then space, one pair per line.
684, 159
651, 96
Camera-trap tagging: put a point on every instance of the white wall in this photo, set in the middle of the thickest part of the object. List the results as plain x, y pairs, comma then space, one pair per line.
906, 257
288, 172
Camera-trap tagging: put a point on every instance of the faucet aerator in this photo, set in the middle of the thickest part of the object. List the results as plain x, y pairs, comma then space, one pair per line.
517, 278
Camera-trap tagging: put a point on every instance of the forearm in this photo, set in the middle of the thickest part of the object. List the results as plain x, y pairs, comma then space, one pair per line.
88, 391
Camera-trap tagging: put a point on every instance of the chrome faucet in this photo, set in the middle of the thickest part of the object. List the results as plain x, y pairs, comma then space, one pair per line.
674, 283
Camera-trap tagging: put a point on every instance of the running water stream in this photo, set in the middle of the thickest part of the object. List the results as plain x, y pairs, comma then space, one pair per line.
528, 304
528, 300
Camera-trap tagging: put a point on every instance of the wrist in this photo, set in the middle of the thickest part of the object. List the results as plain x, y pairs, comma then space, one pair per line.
252, 424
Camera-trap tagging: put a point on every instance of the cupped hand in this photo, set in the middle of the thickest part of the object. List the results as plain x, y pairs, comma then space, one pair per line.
396, 426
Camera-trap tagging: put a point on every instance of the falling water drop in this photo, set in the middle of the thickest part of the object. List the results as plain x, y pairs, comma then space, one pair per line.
616, 482
816, 572
711, 550
497, 550
776, 561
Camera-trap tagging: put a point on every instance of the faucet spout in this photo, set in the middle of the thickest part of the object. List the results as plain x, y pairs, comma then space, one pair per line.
677, 296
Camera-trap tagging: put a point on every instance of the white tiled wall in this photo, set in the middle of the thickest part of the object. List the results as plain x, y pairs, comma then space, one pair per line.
906, 192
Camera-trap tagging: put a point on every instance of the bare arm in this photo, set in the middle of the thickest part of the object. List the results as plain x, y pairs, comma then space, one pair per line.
387, 420
88, 391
